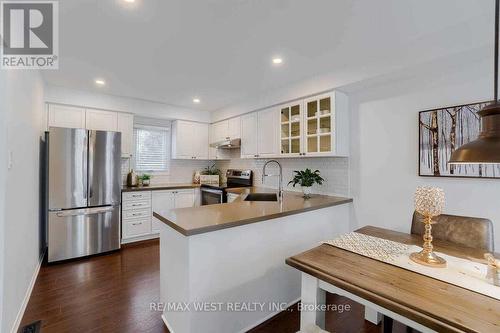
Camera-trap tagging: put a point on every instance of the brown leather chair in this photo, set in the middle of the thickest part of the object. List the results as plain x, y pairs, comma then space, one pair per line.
472, 232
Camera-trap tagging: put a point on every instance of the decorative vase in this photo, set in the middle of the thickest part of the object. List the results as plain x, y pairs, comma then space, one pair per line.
306, 190
132, 178
146, 182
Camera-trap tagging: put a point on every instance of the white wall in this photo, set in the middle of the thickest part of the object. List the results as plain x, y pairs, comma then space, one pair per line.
3, 173
384, 152
22, 104
125, 104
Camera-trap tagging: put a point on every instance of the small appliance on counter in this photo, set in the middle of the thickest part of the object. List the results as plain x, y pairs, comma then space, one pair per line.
216, 194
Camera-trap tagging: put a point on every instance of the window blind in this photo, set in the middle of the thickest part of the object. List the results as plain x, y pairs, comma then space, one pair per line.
151, 153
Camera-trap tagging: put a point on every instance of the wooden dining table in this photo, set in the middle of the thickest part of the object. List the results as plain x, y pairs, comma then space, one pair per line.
416, 300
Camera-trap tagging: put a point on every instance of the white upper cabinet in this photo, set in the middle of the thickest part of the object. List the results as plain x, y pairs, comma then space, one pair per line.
200, 141
214, 153
101, 120
291, 129
249, 135
259, 137
316, 126
66, 116
226, 129
267, 136
220, 131
125, 125
234, 128
189, 140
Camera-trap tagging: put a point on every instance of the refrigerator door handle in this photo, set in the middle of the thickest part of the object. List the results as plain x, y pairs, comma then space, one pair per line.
85, 211
90, 167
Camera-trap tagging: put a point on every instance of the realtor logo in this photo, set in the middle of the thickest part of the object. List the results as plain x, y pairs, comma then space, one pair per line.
29, 32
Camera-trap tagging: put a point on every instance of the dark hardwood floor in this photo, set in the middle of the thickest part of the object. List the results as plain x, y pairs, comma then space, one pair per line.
113, 292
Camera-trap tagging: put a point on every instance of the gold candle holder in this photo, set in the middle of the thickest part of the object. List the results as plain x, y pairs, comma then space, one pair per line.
429, 201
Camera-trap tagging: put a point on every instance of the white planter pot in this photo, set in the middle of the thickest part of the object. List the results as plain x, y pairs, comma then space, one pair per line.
209, 179
306, 190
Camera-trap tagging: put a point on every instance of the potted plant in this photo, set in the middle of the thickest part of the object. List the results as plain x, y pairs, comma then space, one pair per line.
146, 179
306, 179
210, 175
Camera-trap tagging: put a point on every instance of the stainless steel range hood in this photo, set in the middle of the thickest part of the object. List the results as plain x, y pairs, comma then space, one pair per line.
227, 144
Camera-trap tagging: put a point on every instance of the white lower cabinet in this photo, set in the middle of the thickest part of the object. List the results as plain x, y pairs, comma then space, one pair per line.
163, 201
136, 216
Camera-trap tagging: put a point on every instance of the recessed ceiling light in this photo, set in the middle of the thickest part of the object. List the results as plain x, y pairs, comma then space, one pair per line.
100, 82
196, 100
129, 1
277, 60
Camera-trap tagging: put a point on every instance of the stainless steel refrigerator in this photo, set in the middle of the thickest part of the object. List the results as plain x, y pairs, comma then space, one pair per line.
84, 190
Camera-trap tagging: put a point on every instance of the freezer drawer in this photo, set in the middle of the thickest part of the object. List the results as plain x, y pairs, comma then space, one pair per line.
83, 232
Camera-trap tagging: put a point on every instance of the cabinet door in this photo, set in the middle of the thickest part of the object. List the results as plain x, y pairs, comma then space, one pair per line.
100, 120
184, 198
291, 129
183, 140
125, 125
162, 202
66, 116
200, 141
220, 131
234, 128
319, 124
249, 136
267, 137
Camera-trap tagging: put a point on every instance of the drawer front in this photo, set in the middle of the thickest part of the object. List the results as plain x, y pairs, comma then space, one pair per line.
128, 205
136, 214
137, 227
139, 195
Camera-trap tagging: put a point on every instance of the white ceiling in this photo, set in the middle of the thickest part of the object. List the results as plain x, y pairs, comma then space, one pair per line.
221, 50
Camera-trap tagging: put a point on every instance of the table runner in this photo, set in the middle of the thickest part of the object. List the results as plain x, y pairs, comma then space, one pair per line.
460, 272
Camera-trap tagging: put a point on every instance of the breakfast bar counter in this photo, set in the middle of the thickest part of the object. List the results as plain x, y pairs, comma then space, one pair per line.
222, 266
196, 220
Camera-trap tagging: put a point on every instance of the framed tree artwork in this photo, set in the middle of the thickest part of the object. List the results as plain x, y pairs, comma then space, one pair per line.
441, 131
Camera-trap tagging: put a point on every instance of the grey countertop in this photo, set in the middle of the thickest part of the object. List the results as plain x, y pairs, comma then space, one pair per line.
157, 187
197, 220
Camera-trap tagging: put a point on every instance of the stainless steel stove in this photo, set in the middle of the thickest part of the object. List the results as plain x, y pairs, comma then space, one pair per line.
216, 194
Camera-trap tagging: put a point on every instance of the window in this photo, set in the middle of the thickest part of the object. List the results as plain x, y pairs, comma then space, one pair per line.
151, 149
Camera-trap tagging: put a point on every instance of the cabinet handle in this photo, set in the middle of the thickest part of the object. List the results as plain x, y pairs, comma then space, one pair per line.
139, 223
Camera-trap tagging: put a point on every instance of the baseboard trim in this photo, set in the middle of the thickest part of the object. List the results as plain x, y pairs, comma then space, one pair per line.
27, 296
139, 238
248, 328
166, 323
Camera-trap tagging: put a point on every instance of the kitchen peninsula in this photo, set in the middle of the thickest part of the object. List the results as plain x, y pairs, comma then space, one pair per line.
226, 262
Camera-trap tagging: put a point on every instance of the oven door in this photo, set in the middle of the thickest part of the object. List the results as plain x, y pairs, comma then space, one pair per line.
211, 196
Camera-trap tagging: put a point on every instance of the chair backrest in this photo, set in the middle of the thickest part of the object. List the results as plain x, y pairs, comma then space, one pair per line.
462, 230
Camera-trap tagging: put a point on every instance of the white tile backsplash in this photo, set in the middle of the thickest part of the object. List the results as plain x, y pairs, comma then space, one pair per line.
180, 171
335, 171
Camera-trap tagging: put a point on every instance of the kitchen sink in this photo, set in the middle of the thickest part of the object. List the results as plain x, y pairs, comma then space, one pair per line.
261, 197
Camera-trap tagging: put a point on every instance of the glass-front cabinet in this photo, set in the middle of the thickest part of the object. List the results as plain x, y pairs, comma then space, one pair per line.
308, 127
320, 124
291, 129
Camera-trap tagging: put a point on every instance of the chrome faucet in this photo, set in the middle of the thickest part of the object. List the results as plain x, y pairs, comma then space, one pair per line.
280, 184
